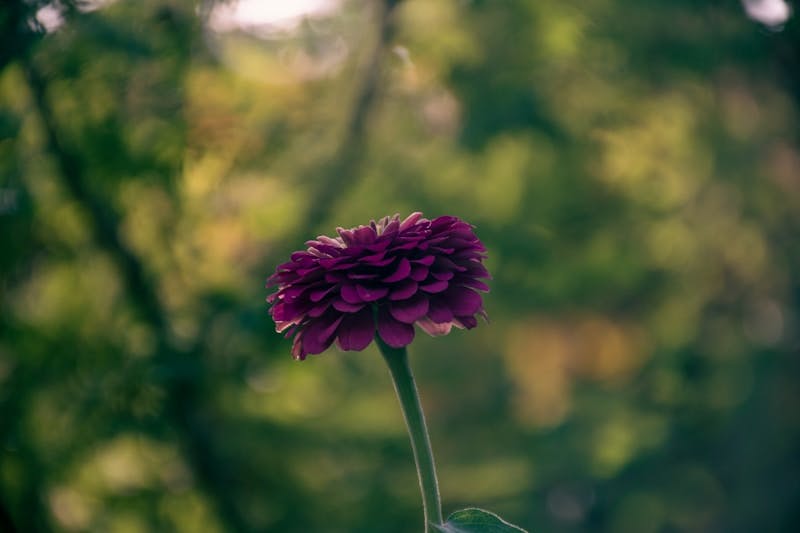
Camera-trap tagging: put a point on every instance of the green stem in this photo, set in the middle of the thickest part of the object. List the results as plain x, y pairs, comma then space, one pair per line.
406, 389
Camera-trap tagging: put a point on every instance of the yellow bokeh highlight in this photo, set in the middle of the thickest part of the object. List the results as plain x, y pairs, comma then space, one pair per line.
546, 356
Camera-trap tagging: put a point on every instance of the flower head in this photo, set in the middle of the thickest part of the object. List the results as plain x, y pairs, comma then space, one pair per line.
388, 275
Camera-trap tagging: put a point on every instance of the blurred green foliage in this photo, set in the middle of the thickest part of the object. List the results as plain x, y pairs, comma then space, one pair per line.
633, 168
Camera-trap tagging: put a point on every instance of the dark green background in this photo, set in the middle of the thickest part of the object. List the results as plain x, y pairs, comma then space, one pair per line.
632, 167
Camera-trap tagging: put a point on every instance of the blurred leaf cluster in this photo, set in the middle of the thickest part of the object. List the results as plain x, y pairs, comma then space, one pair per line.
632, 167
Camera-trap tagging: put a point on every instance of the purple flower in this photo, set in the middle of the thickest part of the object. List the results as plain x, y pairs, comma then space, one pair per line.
390, 275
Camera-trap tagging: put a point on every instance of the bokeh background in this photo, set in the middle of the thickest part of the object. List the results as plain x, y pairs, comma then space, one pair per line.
632, 167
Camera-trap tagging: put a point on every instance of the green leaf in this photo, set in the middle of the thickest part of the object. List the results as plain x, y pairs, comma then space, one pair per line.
476, 521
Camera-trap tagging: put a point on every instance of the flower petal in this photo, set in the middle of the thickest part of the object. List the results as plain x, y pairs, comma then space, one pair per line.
401, 272
297, 348
364, 235
356, 330
319, 294
335, 277
419, 272
474, 283
376, 258
404, 290
319, 309
467, 322
318, 334
443, 263
441, 222
283, 311
341, 305
356, 275
370, 294
391, 225
410, 220
477, 270
435, 286
350, 294
439, 312
394, 333
426, 260
409, 311
442, 276
463, 301
433, 329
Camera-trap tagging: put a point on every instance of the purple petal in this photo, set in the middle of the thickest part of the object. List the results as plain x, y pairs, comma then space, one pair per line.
394, 333
419, 272
442, 222
289, 332
463, 301
392, 226
324, 239
319, 309
346, 235
477, 270
319, 294
427, 260
474, 283
356, 330
439, 311
288, 310
318, 334
442, 276
290, 325
350, 294
463, 231
404, 290
290, 293
435, 286
468, 255
337, 263
370, 294
364, 235
341, 305
443, 263
374, 258
379, 245
467, 322
353, 250
443, 250
356, 275
335, 277
401, 272
459, 244
410, 220
319, 249
382, 262
410, 245
409, 311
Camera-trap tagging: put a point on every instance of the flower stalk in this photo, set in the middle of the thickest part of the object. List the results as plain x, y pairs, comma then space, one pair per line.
406, 388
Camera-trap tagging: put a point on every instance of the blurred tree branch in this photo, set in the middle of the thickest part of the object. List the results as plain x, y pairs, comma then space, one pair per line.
103, 221
185, 367
337, 175
182, 387
15, 36
5, 519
